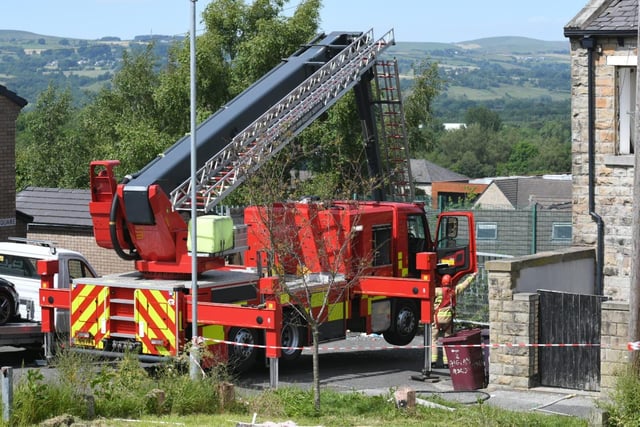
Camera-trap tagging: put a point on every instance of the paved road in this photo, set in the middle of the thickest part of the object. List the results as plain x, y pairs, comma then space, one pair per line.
356, 363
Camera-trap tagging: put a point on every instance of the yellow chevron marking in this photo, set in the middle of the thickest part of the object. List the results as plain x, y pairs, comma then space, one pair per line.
336, 311
214, 332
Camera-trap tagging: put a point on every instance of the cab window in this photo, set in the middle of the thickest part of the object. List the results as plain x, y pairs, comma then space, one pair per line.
18, 266
77, 268
381, 245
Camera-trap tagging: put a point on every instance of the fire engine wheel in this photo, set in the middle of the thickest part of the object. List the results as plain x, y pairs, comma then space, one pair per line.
243, 355
291, 337
404, 324
6, 307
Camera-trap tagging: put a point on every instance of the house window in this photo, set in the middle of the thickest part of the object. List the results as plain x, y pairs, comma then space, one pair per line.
561, 231
381, 245
625, 111
487, 231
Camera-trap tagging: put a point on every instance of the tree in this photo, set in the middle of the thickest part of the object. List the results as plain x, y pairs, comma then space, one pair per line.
284, 230
46, 140
520, 160
487, 119
472, 151
418, 107
124, 122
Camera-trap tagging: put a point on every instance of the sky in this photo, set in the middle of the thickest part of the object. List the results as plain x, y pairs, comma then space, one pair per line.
411, 20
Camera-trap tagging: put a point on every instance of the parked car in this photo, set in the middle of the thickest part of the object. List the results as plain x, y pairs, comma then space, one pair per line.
9, 302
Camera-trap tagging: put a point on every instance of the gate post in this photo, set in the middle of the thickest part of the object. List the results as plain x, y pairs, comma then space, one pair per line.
7, 392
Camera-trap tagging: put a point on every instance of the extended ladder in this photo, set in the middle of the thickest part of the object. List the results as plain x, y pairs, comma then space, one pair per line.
393, 137
272, 131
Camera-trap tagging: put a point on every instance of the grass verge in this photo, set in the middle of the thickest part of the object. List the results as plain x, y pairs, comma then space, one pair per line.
125, 394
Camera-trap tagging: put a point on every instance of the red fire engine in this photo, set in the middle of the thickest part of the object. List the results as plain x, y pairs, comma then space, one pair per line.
375, 262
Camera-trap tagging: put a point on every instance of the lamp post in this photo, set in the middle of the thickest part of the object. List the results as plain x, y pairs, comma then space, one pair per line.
194, 356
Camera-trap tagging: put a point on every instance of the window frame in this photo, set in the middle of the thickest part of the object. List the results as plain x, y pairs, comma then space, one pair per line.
481, 224
557, 225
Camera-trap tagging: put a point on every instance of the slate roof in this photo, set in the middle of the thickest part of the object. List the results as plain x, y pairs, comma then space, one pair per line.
605, 17
55, 206
21, 102
426, 172
523, 191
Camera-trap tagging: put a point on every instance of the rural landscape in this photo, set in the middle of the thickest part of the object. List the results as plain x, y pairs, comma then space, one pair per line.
280, 265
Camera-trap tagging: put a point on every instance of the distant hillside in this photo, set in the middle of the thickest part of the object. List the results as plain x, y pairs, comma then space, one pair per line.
492, 71
484, 70
29, 62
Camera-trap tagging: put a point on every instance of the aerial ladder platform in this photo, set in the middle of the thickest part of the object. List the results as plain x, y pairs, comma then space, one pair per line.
274, 129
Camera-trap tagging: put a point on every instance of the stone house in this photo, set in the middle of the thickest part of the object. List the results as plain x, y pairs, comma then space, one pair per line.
604, 57
603, 38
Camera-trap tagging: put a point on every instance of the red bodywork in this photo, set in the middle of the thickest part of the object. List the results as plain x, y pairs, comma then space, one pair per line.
375, 251
161, 248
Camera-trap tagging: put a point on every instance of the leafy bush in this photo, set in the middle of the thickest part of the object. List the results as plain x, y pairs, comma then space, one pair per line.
86, 389
624, 408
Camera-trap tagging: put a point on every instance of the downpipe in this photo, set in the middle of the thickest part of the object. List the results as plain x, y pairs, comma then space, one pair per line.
589, 43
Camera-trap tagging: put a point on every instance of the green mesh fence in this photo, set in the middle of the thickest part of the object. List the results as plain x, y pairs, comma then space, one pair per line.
502, 233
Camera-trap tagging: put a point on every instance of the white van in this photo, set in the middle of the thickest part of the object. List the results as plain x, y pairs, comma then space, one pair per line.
18, 265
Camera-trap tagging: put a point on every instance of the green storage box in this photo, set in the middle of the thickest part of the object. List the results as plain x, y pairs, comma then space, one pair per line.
215, 234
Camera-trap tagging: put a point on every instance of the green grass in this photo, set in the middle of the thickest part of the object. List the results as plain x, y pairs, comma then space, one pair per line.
512, 91
124, 394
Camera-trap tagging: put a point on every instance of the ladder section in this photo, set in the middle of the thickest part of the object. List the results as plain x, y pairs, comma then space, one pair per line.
392, 131
122, 322
272, 131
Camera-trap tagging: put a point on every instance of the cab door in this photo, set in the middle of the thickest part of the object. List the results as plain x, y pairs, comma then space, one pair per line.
456, 244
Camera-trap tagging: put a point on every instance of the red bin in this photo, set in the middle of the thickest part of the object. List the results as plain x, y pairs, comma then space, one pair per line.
466, 364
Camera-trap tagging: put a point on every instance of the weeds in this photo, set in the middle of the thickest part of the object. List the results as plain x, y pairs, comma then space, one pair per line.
624, 408
86, 389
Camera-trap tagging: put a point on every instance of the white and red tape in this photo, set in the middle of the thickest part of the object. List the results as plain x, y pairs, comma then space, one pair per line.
631, 346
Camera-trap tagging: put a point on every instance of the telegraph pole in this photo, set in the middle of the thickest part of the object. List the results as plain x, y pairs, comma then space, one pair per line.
634, 285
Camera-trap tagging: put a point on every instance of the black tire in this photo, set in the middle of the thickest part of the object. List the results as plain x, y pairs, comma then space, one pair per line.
291, 336
404, 323
243, 358
7, 307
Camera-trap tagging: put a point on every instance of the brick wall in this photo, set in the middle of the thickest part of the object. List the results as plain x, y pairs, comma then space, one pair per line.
8, 115
105, 261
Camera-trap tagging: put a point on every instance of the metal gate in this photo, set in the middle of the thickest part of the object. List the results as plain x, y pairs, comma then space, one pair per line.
566, 318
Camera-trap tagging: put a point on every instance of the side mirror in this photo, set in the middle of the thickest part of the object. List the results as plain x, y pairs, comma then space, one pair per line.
451, 227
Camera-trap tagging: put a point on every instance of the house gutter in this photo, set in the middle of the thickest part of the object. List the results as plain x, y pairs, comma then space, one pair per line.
589, 43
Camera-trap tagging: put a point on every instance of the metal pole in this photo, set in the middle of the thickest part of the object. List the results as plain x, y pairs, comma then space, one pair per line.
534, 228
194, 356
7, 392
273, 372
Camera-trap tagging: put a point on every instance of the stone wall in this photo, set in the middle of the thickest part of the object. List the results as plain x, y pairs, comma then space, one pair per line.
513, 316
613, 173
614, 337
